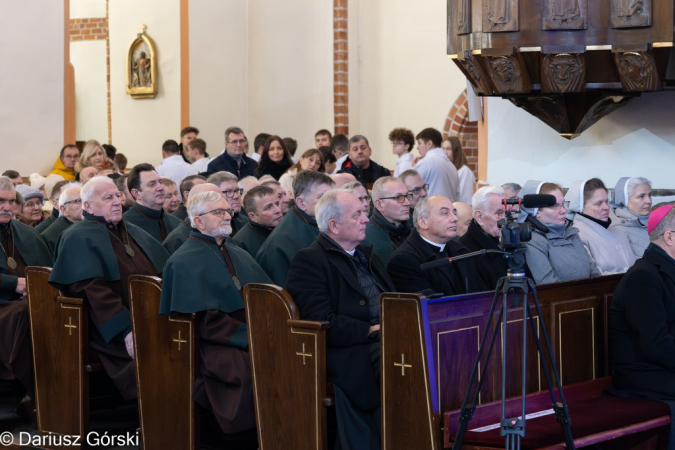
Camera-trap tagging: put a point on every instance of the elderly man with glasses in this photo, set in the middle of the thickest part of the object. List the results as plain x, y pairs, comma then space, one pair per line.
218, 271
70, 208
233, 159
227, 182
432, 239
388, 226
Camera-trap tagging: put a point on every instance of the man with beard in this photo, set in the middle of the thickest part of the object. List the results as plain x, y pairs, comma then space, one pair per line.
264, 213
21, 246
146, 188
218, 271
96, 256
388, 226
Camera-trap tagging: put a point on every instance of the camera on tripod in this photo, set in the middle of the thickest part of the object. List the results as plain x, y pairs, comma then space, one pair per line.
513, 233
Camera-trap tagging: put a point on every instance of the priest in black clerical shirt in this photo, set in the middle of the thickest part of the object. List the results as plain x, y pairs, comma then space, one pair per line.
263, 208
218, 270
435, 228
20, 246
147, 213
95, 258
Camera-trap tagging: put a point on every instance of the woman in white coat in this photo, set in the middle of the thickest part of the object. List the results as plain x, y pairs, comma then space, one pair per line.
608, 247
631, 207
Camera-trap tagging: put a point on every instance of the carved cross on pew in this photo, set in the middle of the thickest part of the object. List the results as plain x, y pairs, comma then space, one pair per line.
180, 340
303, 354
70, 326
403, 365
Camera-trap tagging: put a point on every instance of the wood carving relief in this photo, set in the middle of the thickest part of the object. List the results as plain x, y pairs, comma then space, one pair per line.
463, 16
600, 109
507, 75
476, 75
637, 71
565, 15
563, 72
631, 13
500, 15
550, 110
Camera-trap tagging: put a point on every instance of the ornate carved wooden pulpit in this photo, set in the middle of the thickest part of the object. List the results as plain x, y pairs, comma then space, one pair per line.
567, 62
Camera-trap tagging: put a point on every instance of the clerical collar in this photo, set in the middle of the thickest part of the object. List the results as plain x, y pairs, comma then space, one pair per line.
440, 246
147, 212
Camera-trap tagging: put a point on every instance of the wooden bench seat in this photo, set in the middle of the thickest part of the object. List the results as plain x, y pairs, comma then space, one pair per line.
595, 418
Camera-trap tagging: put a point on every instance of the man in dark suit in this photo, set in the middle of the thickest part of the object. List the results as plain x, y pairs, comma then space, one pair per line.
484, 233
337, 280
435, 222
234, 159
642, 316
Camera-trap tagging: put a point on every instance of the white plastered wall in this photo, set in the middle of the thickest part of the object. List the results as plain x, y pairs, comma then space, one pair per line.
31, 91
91, 105
404, 77
635, 140
84, 9
140, 126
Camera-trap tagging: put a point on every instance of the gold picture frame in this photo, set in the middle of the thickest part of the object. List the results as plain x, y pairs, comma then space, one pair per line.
142, 67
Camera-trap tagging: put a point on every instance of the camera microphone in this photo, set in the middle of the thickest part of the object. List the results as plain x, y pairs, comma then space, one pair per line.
538, 200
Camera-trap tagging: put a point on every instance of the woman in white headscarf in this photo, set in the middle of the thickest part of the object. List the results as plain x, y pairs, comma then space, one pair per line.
555, 252
608, 247
631, 207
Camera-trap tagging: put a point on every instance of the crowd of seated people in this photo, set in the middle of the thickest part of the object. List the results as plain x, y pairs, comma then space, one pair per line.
335, 238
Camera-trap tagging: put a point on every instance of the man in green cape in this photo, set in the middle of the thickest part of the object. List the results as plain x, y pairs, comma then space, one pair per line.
94, 259
227, 182
70, 205
298, 228
147, 213
20, 246
388, 226
263, 208
218, 270
185, 187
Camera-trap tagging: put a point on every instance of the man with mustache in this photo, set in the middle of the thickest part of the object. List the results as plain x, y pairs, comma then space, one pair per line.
218, 271
21, 246
147, 213
96, 256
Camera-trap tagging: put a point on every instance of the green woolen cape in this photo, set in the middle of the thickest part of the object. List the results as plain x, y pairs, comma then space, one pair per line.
32, 248
250, 239
210, 285
149, 225
51, 235
177, 237
290, 236
84, 251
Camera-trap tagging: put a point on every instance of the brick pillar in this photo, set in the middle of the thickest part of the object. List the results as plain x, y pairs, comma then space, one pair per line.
340, 67
457, 124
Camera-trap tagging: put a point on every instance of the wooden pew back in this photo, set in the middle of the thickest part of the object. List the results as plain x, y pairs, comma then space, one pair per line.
166, 349
288, 365
60, 338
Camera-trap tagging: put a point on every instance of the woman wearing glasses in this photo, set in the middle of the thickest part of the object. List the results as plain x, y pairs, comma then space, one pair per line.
630, 212
608, 247
555, 252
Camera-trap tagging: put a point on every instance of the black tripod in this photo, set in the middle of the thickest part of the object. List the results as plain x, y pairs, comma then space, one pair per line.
513, 429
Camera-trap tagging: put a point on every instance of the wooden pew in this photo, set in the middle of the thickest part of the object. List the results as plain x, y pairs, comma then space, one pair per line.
427, 358
288, 364
166, 353
60, 338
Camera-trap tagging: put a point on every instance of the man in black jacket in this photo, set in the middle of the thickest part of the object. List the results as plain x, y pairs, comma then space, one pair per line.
435, 227
484, 233
234, 159
642, 316
337, 280
359, 163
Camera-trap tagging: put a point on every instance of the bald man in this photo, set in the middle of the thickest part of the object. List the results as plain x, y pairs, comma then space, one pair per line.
178, 236
342, 178
464, 216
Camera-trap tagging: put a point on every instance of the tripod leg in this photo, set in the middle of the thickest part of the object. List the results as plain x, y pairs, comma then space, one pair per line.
469, 406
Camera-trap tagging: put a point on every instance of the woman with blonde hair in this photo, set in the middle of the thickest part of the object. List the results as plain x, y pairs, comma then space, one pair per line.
93, 155
310, 160
454, 152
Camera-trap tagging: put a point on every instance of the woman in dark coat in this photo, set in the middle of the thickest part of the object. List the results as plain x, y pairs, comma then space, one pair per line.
275, 159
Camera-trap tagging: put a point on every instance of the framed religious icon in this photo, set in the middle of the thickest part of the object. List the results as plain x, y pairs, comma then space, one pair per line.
142, 67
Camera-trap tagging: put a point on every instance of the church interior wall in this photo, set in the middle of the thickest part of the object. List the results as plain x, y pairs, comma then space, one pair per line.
635, 140
89, 62
31, 91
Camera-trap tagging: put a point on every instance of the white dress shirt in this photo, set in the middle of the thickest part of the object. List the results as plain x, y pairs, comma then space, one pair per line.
175, 168
403, 163
440, 174
201, 164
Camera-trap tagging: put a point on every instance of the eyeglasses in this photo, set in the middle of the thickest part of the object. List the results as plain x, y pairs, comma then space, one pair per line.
558, 206
77, 200
230, 192
366, 198
397, 143
220, 213
399, 198
238, 142
33, 205
417, 190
